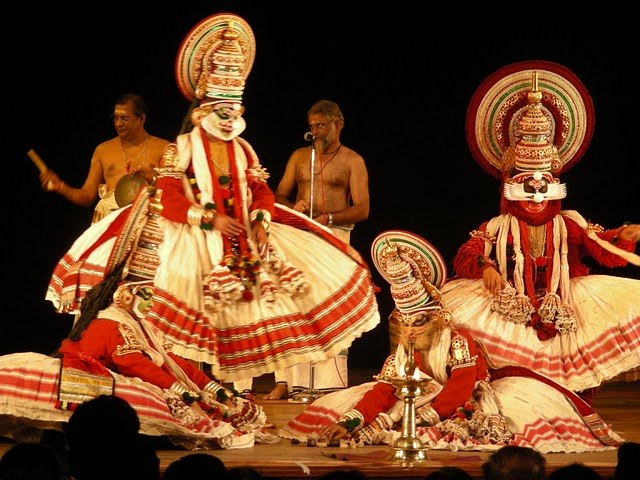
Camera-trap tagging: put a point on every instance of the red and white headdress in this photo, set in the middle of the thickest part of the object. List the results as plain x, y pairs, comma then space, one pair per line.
215, 59
413, 267
527, 123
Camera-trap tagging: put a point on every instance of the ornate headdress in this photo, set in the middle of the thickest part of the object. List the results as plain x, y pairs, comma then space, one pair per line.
413, 267
530, 121
215, 59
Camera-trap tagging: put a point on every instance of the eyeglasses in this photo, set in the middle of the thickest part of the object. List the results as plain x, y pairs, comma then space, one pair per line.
122, 118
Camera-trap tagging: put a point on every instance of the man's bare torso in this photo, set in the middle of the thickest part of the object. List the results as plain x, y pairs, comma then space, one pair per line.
116, 163
332, 176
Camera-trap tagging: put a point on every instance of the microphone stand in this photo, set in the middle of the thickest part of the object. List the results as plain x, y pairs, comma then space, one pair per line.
312, 179
310, 394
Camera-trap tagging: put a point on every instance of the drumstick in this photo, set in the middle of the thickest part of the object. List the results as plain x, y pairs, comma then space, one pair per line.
35, 158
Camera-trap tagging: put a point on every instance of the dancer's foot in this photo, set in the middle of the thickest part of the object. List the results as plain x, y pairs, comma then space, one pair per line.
279, 392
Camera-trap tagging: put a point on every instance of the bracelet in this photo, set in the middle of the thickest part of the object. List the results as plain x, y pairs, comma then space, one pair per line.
330, 221
208, 217
485, 262
261, 216
350, 424
185, 395
190, 397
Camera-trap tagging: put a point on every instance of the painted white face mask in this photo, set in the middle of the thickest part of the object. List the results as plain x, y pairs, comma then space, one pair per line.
225, 122
536, 187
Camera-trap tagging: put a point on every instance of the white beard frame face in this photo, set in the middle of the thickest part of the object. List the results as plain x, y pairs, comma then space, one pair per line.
223, 128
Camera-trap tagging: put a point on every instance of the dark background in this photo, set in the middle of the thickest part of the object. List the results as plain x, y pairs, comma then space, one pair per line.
402, 73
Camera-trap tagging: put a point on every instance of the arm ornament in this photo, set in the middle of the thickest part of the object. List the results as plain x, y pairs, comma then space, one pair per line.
427, 416
460, 355
484, 236
486, 262
169, 165
187, 396
262, 216
195, 214
202, 216
351, 420
594, 228
259, 173
221, 393
131, 343
388, 369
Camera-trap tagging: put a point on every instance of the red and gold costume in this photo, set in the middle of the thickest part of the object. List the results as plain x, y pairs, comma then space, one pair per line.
118, 347
467, 404
116, 356
528, 123
470, 412
243, 305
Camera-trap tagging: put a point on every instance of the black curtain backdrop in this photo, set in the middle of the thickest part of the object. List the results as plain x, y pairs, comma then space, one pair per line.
402, 73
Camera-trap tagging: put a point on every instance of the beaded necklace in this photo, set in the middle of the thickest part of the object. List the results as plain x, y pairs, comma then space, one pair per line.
142, 153
335, 152
322, 176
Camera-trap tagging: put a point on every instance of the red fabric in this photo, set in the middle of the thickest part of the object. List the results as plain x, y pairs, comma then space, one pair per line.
175, 204
465, 262
104, 342
579, 245
461, 381
379, 399
456, 391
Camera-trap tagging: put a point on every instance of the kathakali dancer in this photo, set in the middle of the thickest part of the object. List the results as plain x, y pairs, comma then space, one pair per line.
113, 349
242, 284
521, 283
467, 403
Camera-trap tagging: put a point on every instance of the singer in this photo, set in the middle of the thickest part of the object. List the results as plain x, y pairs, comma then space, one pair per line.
340, 186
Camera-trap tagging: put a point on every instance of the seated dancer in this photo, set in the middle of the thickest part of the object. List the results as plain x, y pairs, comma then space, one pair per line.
113, 349
468, 404
523, 284
241, 285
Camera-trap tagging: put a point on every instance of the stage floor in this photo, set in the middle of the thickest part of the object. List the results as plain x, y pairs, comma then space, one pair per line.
617, 403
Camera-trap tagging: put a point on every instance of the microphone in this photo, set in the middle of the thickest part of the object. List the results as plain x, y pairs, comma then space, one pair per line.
309, 137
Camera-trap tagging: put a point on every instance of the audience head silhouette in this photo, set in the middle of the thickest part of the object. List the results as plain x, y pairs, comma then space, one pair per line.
574, 471
449, 473
105, 443
113, 417
243, 473
628, 467
196, 465
514, 463
30, 461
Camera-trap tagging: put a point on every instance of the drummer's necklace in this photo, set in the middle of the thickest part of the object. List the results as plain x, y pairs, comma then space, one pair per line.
142, 153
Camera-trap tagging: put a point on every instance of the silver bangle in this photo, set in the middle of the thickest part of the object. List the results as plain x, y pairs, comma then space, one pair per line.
194, 215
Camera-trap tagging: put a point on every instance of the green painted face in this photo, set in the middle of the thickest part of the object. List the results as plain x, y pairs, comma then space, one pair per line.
143, 301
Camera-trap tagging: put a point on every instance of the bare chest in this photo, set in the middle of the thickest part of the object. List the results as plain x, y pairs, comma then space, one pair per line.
330, 172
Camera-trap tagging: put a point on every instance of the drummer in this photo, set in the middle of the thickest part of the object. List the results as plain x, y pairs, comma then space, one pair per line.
131, 156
